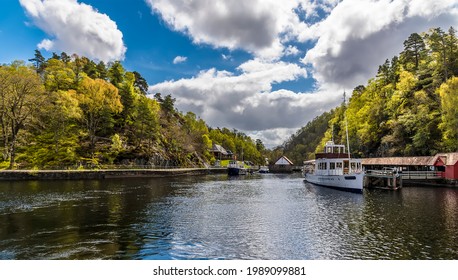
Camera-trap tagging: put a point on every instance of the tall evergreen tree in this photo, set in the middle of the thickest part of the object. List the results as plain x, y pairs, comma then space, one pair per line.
414, 49
39, 62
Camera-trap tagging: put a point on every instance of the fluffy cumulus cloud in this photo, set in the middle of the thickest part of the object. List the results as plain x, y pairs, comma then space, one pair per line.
76, 28
358, 35
257, 26
341, 42
179, 59
244, 100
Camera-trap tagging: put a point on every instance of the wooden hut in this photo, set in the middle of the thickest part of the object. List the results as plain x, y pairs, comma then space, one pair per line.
220, 153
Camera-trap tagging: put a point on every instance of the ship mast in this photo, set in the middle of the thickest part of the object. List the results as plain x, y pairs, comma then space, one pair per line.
346, 127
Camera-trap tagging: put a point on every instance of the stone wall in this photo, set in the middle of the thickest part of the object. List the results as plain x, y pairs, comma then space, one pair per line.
102, 174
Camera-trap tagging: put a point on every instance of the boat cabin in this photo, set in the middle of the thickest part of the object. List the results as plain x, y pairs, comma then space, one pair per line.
332, 150
334, 161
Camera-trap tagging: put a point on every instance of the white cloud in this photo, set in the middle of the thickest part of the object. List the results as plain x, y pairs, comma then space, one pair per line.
179, 59
245, 100
344, 41
292, 50
46, 44
76, 28
257, 26
226, 56
359, 35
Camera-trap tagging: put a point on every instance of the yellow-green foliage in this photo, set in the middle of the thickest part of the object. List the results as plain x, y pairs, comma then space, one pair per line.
449, 117
78, 113
409, 108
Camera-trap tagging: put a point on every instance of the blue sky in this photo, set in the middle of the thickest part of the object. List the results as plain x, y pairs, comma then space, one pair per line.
263, 67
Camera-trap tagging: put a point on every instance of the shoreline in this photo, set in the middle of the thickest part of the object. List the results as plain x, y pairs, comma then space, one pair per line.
12, 175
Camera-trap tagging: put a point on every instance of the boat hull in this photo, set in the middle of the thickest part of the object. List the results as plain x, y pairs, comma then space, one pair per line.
348, 182
234, 171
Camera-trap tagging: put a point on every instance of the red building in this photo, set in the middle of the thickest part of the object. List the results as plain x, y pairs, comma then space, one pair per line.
447, 163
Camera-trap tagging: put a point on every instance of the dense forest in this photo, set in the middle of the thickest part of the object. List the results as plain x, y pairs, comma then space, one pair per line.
409, 109
71, 112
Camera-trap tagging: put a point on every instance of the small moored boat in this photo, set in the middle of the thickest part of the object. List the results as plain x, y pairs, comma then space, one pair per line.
236, 168
263, 169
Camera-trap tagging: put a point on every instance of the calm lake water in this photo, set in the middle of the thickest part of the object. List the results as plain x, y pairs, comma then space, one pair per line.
216, 217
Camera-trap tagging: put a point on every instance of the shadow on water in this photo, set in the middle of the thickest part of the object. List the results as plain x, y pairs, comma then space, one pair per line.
259, 216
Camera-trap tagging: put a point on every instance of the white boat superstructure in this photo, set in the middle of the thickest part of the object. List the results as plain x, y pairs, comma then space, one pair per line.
335, 168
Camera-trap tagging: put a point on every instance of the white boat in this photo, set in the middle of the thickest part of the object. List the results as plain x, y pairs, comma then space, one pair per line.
263, 169
335, 169
236, 168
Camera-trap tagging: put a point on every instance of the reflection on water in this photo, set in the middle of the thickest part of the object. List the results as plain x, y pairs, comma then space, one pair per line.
215, 217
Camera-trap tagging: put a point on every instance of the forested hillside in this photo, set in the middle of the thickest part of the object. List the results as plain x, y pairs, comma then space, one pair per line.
409, 108
71, 112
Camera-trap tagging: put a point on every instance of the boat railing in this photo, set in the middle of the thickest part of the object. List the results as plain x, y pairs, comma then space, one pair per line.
331, 155
418, 175
383, 172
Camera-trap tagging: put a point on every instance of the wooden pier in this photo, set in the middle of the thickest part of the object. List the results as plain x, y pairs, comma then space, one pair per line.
386, 178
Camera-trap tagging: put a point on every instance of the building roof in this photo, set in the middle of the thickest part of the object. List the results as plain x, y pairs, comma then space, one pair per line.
218, 149
283, 161
446, 158
400, 161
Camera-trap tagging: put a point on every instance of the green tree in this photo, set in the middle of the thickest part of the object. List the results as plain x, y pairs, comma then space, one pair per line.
98, 100
65, 58
55, 137
141, 83
22, 95
449, 120
102, 70
145, 122
414, 50
438, 45
57, 76
168, 104
38, 61
90, 68
116, 73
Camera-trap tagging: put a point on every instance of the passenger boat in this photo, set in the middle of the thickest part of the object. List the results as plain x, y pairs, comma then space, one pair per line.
335, 169
236, 168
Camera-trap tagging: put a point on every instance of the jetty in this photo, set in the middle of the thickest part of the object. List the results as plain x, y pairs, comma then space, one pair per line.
393, 172
387, 178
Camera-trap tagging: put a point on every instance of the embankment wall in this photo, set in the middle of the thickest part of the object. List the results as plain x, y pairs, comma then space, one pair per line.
102, 174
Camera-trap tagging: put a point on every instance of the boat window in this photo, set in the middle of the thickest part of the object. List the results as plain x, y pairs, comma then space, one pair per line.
339, 165
353, 165
332, 165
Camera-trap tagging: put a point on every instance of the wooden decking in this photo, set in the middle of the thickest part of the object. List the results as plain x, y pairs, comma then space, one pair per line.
383, 179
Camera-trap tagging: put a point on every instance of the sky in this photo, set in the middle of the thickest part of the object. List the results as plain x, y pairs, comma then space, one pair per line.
263, 67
